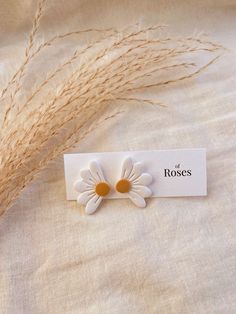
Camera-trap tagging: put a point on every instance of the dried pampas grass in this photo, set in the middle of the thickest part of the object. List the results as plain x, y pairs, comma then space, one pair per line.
82, 92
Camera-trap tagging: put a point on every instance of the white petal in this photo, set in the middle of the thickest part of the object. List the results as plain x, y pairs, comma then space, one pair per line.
96, 171
87, 176
85, 197
82, 186
93, 204
142, 190
137, 171
144, 179
126, 168
137, 199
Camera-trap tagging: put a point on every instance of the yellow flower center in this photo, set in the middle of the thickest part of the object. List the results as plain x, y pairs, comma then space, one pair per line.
102, 189
123, 186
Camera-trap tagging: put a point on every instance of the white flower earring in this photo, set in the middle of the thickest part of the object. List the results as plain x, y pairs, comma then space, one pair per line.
134, 182
93, 187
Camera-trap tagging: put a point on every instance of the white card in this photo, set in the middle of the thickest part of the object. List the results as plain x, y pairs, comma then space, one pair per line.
177, 172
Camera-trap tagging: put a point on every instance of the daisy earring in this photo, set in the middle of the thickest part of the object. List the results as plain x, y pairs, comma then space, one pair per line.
92, 188
134, 182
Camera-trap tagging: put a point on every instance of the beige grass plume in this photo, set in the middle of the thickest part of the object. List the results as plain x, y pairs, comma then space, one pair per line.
82, 92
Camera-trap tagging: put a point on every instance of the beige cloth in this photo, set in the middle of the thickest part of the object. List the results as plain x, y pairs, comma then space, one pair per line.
177, 255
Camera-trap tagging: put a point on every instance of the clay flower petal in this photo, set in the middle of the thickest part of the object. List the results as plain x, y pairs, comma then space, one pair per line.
136, 171
138, 200
84, 197
142, 190
93, 204
126, 168
87, 176
144, 179
96, 171
82, 186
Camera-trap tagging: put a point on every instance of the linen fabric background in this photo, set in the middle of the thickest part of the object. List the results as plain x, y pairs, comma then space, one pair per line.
176, 256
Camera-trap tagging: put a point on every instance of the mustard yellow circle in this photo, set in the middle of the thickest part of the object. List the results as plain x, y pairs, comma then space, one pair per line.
123, 186
102, 189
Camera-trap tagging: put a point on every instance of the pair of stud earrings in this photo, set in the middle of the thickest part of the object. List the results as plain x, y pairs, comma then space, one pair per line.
93, 187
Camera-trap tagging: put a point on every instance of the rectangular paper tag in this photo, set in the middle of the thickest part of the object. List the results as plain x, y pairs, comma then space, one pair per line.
177, 172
